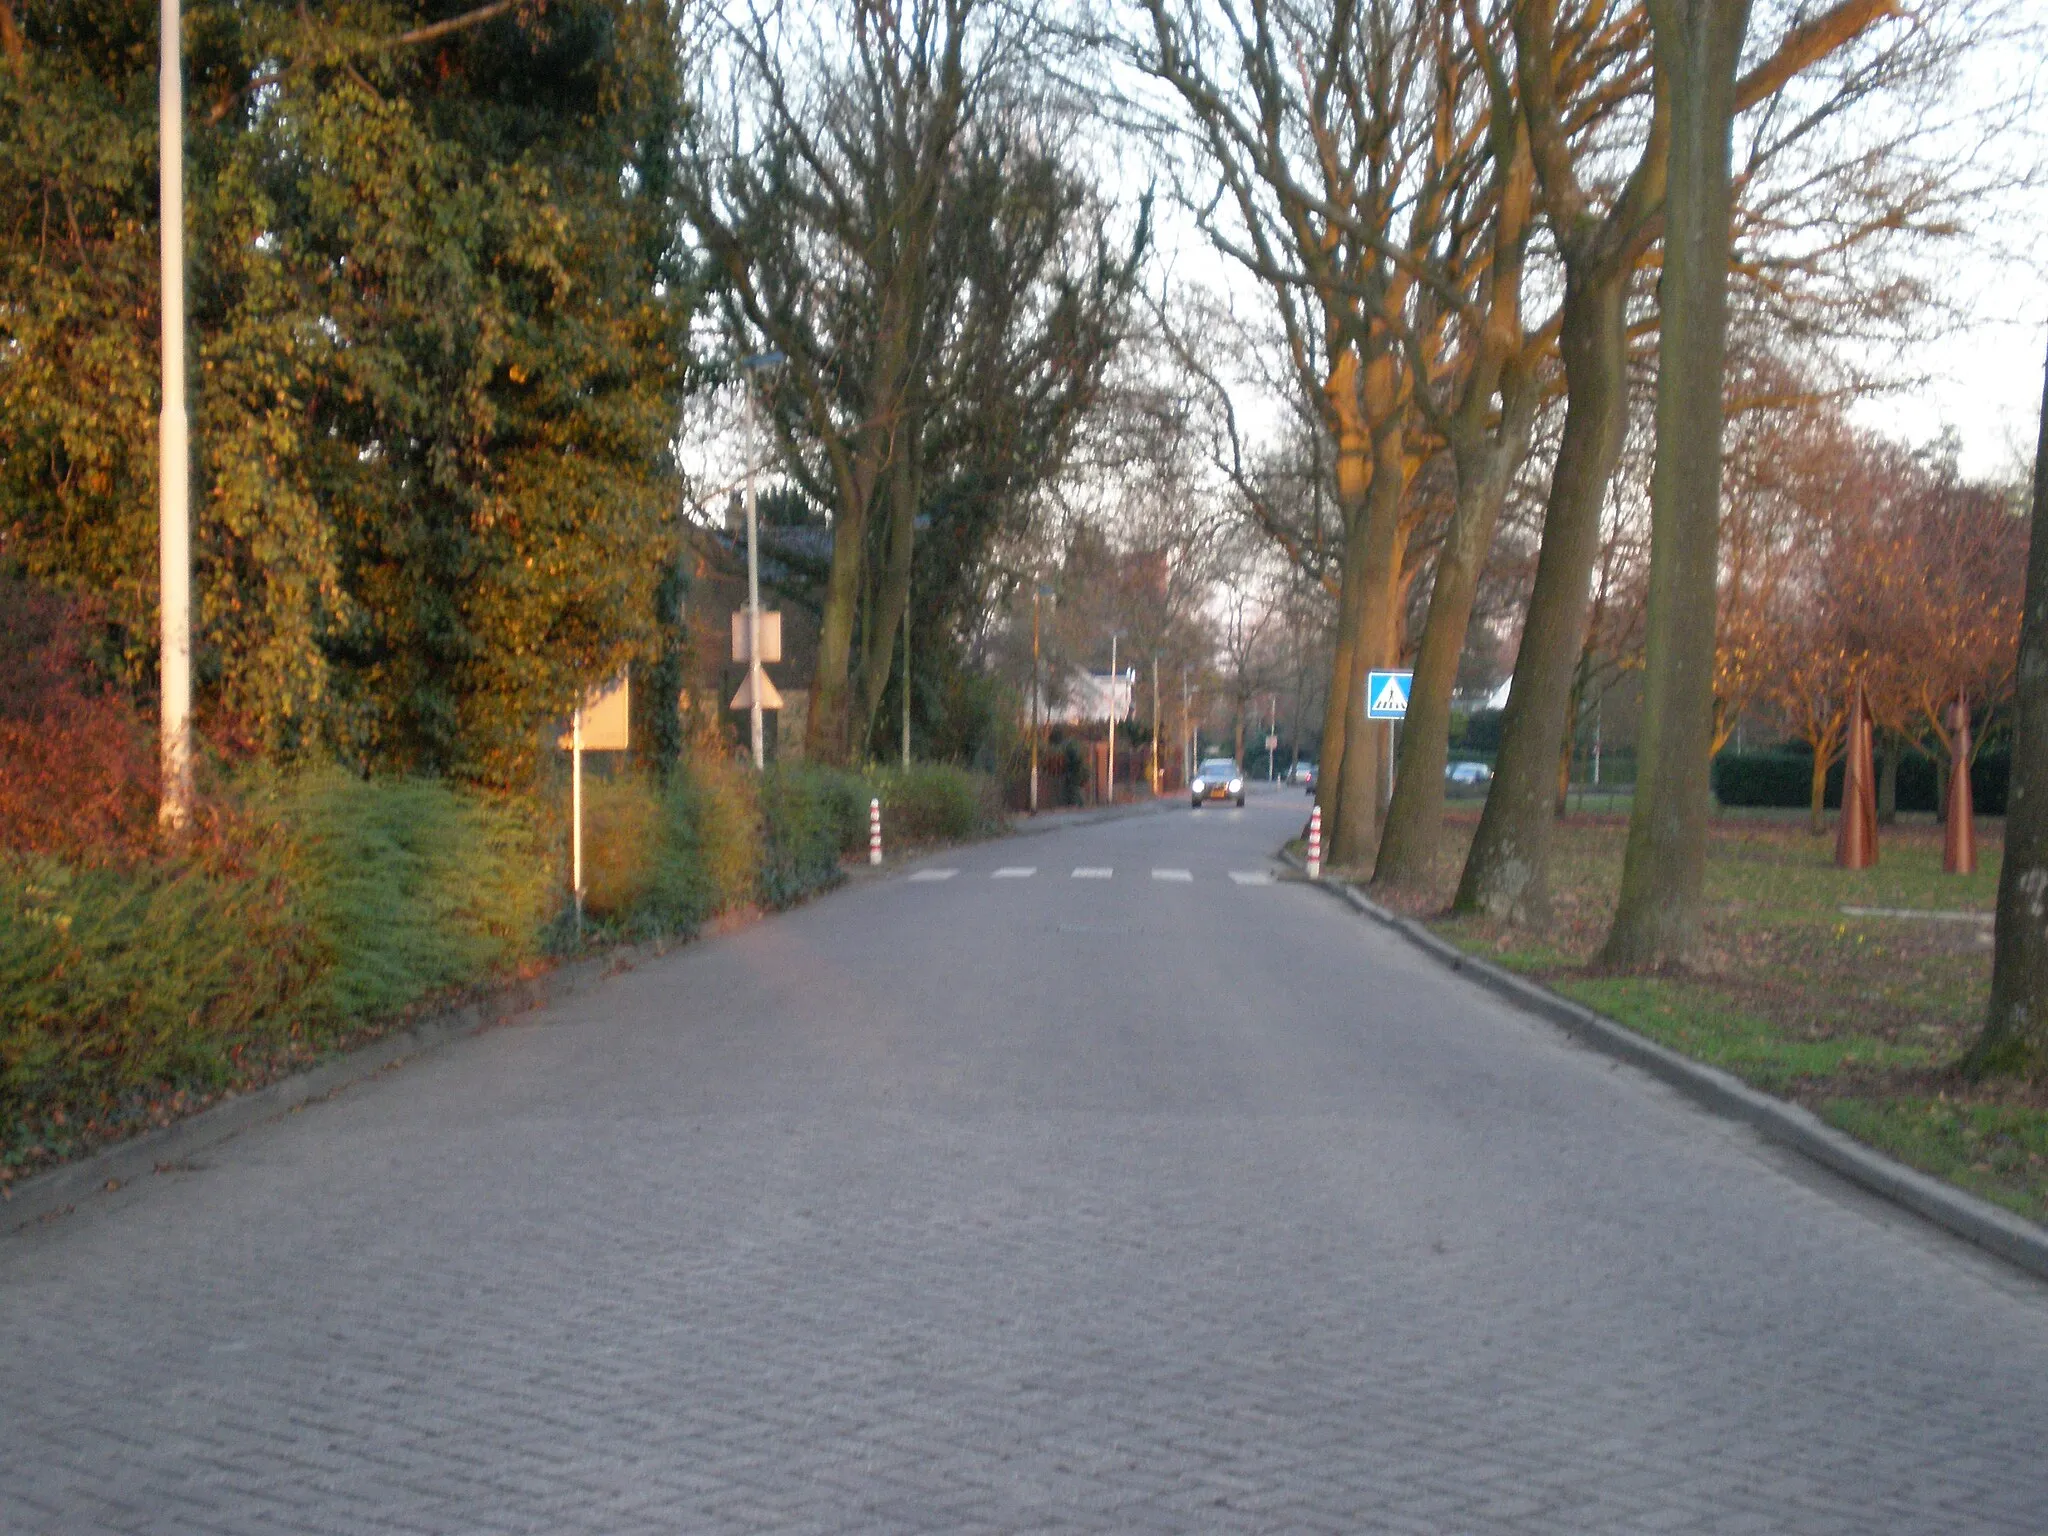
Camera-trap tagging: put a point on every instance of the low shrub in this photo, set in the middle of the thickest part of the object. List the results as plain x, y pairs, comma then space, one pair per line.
811, 817
317, 906
410, 887
719, 831
77, 761
936, 802
128, 982
626, 837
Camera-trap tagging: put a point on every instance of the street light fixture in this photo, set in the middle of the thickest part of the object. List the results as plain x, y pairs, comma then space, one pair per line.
755, 363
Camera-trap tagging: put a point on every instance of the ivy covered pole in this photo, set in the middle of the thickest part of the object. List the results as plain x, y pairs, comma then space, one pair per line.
174, 534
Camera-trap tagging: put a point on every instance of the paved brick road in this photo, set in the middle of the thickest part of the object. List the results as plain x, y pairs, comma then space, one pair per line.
1112, 1203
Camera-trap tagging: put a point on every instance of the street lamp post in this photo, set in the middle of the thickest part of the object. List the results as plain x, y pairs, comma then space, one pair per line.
174, 535
1155, 724
1038, 590
1114, 634
759, 362
1187, 761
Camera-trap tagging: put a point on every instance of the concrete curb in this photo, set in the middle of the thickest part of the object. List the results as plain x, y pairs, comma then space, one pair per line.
57, 1192
1996, 1230
1023, 824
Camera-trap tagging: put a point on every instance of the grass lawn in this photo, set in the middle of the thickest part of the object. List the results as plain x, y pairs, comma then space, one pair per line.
1860, 1017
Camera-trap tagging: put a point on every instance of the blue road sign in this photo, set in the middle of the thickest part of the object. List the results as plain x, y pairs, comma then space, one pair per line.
1386, 694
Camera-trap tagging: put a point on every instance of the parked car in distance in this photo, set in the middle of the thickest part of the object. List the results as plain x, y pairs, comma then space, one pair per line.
1468, 774
1217, 779
1302, 773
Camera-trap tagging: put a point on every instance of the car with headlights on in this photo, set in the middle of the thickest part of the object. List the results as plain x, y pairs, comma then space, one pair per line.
1217, 779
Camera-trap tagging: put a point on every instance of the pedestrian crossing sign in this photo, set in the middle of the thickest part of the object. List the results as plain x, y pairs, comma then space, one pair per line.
1386, 694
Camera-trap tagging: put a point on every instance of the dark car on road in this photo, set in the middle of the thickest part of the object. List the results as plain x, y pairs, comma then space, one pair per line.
1217, 779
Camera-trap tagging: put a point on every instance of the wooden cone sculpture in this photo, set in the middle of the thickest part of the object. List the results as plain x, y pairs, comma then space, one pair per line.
1959, 842
1856, 836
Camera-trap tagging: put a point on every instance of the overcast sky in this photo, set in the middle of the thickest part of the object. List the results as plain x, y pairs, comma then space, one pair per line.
1983, 380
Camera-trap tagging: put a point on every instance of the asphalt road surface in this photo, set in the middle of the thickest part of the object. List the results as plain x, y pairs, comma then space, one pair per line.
1091, 1181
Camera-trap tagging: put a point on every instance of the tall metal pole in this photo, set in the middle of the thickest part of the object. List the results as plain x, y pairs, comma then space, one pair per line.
1155, 723
173, 445
576, 812
1034, 698
753, 598
906, 679
1112, 722
1187, 757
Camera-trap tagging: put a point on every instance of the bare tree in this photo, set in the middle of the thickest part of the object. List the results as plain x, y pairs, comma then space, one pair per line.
1495, 357
1336, 133
2015, 1037
1698, 46
1601, 243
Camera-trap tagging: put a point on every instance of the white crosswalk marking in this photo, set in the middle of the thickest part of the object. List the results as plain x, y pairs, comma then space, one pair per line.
1171, 874
1086, 873
1251, 877
1015, 872
933, 874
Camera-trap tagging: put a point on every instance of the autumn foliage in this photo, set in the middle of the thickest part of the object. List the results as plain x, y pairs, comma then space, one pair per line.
77, 766
1876, 565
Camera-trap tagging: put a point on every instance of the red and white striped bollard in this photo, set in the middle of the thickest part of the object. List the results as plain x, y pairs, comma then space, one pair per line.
874, 831
1315, 842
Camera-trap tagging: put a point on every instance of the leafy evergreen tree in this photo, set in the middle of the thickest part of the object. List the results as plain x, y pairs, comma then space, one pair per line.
440, 325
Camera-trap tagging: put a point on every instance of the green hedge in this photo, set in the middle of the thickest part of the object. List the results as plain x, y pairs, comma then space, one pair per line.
329, 904
122, 982
1783, 778
936, 802
409, 887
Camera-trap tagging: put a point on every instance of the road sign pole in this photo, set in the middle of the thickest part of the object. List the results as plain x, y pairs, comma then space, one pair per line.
753, 600
1035, 590
1112, 722
576, 815
1390, 766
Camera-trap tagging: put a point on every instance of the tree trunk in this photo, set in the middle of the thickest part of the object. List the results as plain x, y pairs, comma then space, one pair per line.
1408, 843
2015, 1038
885, 627
1506, 873
1350, 592
1817, 819
1358, 788
825, 730
1698, 45
1888, 780
1353, 477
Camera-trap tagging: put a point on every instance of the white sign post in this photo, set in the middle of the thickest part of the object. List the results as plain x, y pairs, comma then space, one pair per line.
598, 725
1386, 698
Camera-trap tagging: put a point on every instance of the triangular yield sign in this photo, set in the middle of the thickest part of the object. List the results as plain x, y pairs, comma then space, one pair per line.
1391, 697
771, 698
